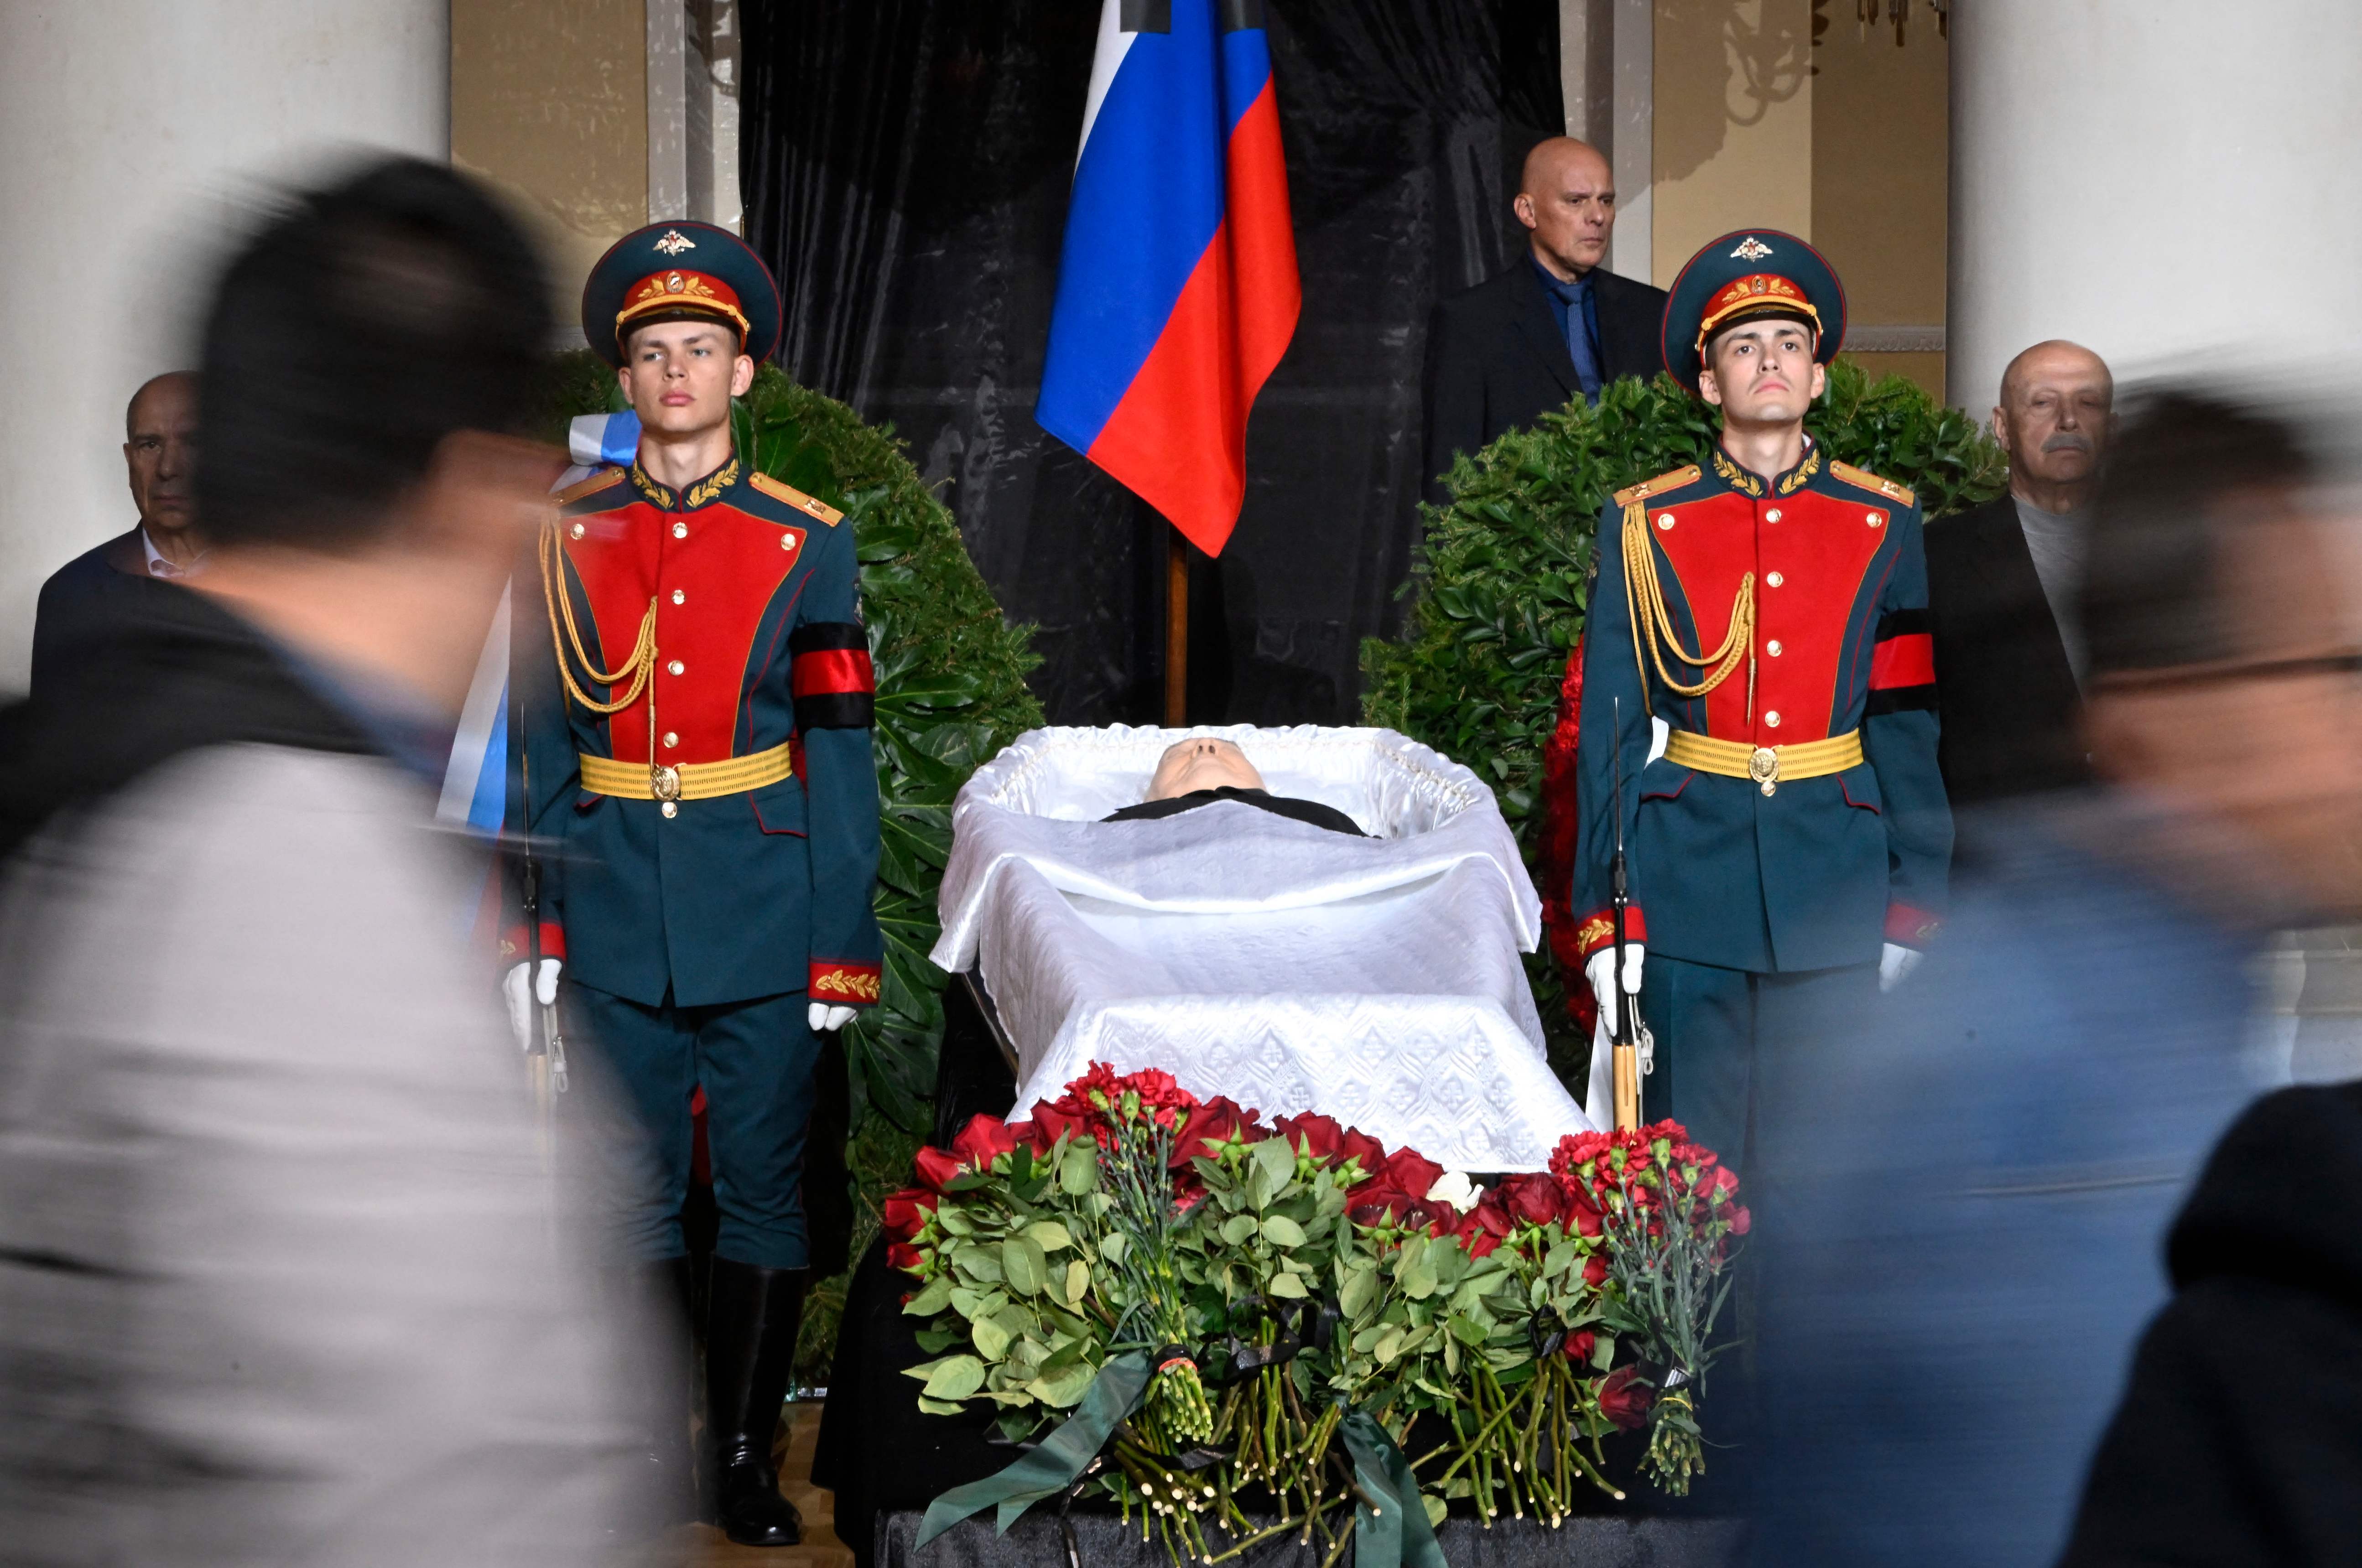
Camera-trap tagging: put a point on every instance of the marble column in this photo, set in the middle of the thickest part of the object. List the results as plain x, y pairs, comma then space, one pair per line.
2169, 182
139, 134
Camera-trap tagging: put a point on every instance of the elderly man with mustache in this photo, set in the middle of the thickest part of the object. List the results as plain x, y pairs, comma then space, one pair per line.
2002, 581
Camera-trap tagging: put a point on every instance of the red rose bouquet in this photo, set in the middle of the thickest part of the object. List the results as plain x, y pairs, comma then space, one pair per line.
1293, 1285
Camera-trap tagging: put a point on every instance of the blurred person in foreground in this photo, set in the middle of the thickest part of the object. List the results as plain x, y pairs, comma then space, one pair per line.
2237, 1443
2004, 579
1982, 1173
85, 600
278, 1281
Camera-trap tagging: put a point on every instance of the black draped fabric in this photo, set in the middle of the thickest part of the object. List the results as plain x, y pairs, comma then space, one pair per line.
906, 165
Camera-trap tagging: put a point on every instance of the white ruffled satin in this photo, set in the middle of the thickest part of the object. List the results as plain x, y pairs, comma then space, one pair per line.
1376, 980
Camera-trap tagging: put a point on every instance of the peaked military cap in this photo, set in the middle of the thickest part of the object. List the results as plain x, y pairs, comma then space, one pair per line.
1752, 271
678, 271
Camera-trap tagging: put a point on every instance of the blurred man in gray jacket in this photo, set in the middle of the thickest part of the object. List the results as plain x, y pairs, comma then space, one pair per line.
278, 1281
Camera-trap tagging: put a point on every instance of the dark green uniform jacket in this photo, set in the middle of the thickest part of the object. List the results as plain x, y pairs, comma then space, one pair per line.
738, 598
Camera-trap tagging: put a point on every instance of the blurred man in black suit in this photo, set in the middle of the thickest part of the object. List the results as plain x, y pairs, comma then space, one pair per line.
2002, 582
1556, 324
95, 589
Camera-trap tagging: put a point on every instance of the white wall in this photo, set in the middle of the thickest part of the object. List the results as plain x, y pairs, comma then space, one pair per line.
129, 130
2169, 182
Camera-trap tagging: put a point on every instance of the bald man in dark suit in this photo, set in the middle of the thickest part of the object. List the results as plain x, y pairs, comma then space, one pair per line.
90, 597
1557, 325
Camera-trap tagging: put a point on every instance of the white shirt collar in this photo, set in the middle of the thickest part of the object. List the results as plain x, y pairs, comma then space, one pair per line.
159, 566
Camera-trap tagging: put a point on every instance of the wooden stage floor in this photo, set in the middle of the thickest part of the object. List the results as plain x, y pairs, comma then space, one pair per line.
703, 1546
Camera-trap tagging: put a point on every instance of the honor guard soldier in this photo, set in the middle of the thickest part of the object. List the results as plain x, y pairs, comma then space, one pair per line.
696, 712
1763, 620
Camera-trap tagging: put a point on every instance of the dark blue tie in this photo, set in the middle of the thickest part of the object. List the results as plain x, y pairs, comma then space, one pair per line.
1580, 332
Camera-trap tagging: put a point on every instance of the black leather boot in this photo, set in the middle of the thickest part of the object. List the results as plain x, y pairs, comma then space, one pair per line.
661, 1384
750, 1349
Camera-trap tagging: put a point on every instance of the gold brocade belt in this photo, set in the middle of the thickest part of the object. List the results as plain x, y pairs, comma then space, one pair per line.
1767, 764
686, 781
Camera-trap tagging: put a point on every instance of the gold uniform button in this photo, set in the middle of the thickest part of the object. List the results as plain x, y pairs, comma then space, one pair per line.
1772, 647
680, 530
1773, 515
678, 668
1874, 518
1775, 580
678, 597
1665, 520
1773, 720
671, 739
670, 808
576, 530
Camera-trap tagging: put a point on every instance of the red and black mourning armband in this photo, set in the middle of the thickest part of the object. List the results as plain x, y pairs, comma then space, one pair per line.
834, 686
1902, 664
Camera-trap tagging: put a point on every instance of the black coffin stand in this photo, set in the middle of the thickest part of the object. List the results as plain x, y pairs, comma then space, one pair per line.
886, 1461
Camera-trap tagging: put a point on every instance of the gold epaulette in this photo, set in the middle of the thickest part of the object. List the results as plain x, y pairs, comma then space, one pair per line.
591, 486
796, 498
1658, 486
1898, 493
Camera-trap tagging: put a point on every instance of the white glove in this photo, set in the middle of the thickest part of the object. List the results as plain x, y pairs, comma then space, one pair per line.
1895, 964
1600, 970
520, 1007
825, 1018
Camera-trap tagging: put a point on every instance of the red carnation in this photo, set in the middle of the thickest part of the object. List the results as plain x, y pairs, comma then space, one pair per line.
1532, 1199
1161, 1099
936, 1166
1742, 1222
984, 1140
1312, 1135
1624, 1401
1579, 1345
1575, 1150
1594, 1270
907, 1212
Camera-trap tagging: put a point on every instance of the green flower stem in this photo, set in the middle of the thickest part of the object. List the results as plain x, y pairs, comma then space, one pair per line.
1282, 1528
1472, 1447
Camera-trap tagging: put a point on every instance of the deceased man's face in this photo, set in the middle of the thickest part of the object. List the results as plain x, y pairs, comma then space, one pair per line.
1201, 762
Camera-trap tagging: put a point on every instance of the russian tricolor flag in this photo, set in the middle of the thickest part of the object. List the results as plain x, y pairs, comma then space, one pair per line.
1177, 290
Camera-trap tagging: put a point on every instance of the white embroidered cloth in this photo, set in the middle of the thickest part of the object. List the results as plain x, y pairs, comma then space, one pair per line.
1374, 980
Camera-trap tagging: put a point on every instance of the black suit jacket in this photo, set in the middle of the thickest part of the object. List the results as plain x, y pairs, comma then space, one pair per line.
2006, 692
1496, 360
89, 602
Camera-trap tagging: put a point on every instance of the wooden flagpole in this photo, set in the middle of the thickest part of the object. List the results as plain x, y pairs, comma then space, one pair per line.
1176, 628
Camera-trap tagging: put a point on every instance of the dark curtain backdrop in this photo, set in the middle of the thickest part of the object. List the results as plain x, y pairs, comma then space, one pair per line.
906, 165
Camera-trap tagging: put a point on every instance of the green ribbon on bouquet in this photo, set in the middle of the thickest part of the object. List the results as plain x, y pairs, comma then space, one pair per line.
1061, 1458
1390, 1527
